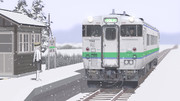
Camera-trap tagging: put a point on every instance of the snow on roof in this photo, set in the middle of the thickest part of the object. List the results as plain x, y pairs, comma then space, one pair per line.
20, 18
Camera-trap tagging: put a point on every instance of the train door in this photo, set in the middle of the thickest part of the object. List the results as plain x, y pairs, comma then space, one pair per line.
145, 42
110, 47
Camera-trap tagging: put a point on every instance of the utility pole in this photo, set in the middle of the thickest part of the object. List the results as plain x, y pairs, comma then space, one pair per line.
51, 47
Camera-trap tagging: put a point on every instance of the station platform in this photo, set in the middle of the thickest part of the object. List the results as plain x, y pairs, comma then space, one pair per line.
23, 88
163, 84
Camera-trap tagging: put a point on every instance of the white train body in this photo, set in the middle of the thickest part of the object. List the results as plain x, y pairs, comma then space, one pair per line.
118, 46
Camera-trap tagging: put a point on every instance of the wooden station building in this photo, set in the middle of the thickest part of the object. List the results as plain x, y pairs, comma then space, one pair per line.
18, 33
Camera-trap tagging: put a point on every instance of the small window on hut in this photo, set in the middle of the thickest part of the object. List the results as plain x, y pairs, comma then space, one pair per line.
26, 42
23, 42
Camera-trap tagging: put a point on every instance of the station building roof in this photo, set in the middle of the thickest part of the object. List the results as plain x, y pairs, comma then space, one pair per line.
19, 18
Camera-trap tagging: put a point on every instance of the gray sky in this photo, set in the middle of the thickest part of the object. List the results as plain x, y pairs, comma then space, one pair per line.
163, 14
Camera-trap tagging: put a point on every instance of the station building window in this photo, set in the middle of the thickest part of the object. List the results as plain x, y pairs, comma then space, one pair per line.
26, 42
23, 42
25, 45
6, 42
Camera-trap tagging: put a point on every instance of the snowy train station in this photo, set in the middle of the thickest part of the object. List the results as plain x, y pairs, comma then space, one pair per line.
79, 51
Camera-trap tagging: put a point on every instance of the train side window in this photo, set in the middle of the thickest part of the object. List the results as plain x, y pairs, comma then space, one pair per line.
147, 39
110, 33
139, 30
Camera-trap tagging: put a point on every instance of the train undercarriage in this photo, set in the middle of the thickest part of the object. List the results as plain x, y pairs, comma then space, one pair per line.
109, 77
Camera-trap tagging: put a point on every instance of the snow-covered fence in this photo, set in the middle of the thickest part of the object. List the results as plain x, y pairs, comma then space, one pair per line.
63, 60
65, 57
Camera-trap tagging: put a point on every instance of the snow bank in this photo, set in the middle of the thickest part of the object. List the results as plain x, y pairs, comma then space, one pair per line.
163, 47
163, 84
17, 89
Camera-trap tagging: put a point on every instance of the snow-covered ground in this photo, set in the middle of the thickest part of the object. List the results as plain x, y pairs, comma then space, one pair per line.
163, 47
164, 81
70, 52
17, 89
163, 84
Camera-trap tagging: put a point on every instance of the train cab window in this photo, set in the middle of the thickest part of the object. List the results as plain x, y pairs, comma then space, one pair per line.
83, 30
131, 30
110, 33
128, 30
92, 30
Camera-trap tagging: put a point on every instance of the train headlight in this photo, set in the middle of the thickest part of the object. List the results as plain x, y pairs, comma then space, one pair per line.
131, 62
131, 19
126, 62
90, 19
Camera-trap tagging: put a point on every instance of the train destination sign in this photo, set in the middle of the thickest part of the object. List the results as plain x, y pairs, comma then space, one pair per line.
110, 20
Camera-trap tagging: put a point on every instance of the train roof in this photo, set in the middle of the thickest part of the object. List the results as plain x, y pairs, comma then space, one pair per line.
124, 19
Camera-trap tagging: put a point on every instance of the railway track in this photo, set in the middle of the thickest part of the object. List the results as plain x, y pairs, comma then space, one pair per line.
108, 95
122, 94
104, 95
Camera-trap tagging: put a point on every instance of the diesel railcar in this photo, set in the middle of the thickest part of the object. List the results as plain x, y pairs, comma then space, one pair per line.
118, 47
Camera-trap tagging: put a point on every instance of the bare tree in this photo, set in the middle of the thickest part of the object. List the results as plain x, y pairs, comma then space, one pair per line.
22, 7
37, 10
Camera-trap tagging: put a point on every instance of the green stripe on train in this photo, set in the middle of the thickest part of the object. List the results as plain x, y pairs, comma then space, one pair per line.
128, 54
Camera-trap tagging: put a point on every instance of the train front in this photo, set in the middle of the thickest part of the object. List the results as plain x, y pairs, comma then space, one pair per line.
101, 50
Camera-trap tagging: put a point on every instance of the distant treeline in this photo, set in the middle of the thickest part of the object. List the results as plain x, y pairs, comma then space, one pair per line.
68, 47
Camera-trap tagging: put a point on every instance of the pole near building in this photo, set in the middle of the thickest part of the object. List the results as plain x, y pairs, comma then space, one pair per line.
51, 47
52, 53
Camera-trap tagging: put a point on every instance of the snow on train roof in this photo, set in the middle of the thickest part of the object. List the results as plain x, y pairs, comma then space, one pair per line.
20, 18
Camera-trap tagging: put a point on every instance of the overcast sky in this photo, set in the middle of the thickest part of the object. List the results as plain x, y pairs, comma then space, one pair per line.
163, 14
